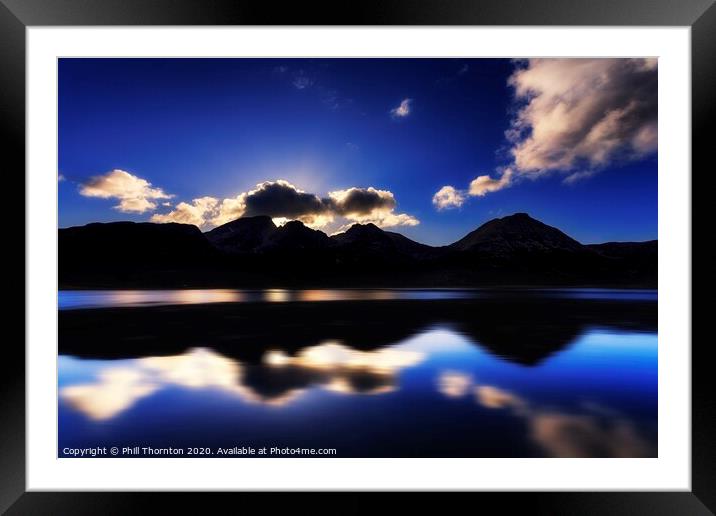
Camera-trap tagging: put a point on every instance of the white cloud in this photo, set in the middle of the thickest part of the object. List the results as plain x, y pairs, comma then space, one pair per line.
582, 113
573, 117
482, 185
135, 195
195, 213
403, 110
448, 197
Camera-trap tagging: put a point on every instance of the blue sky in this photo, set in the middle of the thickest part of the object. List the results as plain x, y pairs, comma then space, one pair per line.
213, 129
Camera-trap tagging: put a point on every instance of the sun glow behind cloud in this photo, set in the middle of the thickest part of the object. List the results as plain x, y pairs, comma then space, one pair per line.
284, 201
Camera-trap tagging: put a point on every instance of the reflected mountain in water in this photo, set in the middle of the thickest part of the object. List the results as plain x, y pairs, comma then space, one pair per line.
499, 374
524, 329
276, 381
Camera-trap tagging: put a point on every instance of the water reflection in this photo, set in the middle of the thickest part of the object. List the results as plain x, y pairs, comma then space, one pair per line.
330, 365
460, 378
79, 299
335, 356
594, 431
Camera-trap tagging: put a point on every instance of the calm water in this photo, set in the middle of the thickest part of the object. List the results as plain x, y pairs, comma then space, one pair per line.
76, 299
567, 375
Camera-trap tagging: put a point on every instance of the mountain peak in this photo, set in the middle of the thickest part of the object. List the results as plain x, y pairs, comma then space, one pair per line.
516, 232
295, 235
241, 235
368, 228
519, 215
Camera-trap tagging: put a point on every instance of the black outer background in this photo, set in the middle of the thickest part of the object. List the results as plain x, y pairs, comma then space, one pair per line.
15, 15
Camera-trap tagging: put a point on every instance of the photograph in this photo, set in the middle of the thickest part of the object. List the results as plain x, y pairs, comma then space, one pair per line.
344, 257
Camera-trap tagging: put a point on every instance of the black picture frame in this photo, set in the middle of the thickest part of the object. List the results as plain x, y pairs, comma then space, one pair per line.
700, 15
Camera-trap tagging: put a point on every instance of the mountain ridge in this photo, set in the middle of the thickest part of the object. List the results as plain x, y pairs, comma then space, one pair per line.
515, 249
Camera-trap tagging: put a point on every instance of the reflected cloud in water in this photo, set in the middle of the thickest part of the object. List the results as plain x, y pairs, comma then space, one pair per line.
586, 435
596, 431
344, 386
284, 379
118, 388
454, 384
333, 355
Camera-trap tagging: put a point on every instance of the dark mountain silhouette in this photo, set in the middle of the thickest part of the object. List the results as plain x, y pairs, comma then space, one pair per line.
542, 327
111, 254
518, 233
649, 249
253, 251
244, 235
130, 243
294, 237
368, 243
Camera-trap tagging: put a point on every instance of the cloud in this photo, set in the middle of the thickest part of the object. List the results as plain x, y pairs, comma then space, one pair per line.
361, 201
195, 213
572, 117
135, 195
448, 197
403, 110
369, 205
582, 113
60, 178
482, 185
282, 200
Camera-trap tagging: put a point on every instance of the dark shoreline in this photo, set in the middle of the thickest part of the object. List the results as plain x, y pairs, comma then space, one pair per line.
524, 329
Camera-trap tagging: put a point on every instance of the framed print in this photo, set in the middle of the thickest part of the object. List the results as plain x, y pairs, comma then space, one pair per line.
413, 247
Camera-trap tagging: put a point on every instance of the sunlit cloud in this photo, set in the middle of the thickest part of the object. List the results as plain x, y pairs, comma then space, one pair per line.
369, 205
135, 195
482, 185
572, 117
578, 114
195, 213
283, 201
448, 197
403, 109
